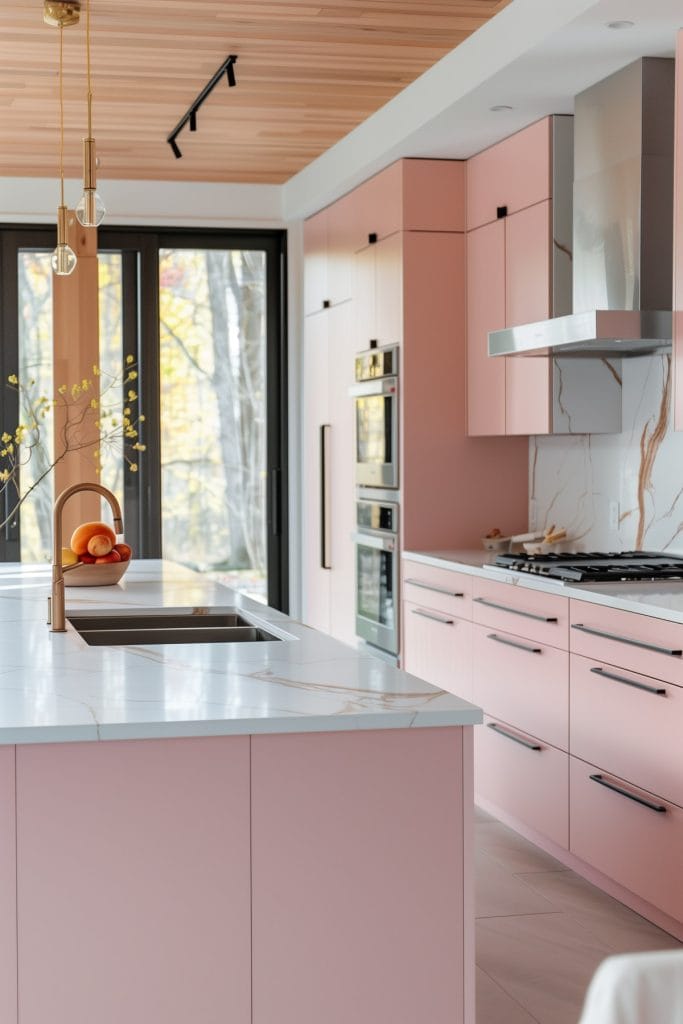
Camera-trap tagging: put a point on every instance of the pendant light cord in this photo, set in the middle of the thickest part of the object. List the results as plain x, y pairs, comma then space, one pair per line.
61, 112
87, 54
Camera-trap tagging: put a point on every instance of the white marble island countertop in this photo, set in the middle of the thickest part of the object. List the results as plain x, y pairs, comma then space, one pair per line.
56, 688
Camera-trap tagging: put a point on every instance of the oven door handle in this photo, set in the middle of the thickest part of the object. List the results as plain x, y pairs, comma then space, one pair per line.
368, 540
381, 386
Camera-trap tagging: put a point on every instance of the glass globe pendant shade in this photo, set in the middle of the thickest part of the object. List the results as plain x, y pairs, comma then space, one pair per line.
64, 259
90, 210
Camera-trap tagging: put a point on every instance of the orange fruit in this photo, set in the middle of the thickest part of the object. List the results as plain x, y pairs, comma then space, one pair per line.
83, 533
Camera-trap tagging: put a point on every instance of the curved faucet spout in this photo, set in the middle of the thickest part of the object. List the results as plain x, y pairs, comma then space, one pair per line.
56, 615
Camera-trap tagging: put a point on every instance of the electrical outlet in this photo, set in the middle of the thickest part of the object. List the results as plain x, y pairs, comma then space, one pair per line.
614, 515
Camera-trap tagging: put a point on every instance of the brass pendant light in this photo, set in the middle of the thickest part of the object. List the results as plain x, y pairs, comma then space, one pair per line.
90, 210
62, 13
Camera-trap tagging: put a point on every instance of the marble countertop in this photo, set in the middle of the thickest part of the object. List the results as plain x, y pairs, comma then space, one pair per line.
662, 600
56, 688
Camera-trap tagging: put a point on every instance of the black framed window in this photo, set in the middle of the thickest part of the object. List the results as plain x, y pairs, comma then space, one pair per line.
202, 313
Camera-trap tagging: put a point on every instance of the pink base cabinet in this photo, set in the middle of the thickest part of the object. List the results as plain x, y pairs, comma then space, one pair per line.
278, 879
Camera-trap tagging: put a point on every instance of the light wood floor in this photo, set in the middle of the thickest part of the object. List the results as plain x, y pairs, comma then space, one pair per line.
541, 931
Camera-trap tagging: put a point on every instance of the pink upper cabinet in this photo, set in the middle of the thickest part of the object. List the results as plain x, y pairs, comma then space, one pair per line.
678, 242
342, 218
514, 173
315, 262
433, 195
485, 312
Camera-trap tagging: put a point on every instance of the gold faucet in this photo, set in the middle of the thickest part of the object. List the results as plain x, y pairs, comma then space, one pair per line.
56, 603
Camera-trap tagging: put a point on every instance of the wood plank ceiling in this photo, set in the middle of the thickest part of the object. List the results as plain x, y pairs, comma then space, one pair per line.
308, 72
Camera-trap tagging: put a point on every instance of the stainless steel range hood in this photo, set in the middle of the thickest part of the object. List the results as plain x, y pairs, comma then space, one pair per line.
622, 223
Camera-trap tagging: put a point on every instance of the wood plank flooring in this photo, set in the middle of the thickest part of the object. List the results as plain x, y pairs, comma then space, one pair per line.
542, 931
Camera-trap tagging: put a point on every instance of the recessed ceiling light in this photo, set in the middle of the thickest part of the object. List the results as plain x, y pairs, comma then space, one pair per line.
501, 106
620, 24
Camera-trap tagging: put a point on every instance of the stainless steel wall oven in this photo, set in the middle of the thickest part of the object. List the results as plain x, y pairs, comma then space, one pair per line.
376, 399
377, 573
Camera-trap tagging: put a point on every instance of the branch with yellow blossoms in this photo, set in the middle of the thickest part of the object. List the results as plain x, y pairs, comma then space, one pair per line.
89, 420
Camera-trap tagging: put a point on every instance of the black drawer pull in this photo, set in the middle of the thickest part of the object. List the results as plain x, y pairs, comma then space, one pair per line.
432, 586
626, 640
515, 739
631, 796
514, 611
513, 643
659, 691
431, 615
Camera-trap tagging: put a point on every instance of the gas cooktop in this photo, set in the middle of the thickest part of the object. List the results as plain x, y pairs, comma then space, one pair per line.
597, 566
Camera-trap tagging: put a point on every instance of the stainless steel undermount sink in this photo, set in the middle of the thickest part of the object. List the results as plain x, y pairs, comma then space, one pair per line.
169, 626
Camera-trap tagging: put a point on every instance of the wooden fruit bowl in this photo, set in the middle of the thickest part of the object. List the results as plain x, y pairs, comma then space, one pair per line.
103, 575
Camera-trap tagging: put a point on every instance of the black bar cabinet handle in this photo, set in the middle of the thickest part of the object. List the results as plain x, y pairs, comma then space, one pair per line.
626, 640
658, 691
325, 559
514, 611
513, 643
515, 739
430, 615
432, 586
601, 781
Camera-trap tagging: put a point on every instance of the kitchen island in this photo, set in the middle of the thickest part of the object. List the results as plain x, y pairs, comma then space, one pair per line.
263, 832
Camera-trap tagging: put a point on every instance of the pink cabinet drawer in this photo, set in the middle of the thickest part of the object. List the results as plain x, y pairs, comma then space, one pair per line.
523, 682
515, 609
441, 589
653, 647
514, 173
630, 724
628, 834
523, 776
438, 648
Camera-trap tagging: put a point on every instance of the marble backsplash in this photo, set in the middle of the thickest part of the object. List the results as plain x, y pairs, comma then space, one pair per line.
616, 491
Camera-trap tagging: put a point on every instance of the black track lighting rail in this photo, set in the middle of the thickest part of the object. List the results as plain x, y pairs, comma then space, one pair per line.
227, 68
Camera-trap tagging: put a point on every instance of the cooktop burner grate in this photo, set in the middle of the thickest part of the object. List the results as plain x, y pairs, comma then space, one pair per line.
597, 566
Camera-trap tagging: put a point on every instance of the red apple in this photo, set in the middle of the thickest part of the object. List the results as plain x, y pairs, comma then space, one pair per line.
124, 550
111, 556
86, 559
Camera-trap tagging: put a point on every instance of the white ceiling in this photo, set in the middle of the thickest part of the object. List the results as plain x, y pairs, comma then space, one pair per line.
535, 56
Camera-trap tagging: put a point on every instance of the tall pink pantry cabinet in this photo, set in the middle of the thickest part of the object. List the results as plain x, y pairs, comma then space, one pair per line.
408, 287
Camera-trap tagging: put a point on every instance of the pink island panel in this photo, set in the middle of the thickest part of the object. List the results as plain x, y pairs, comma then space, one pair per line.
360, 861
8, 901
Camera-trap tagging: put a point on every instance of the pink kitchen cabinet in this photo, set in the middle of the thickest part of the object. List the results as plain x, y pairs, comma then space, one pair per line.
519, 271
485, 312
677, 365
336, 806
8, 891
438, 648
134, 881
316, 496
378, 293
630, 724
315, 265
524, 682
628, 834
328, 487
515, 173
523, 777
